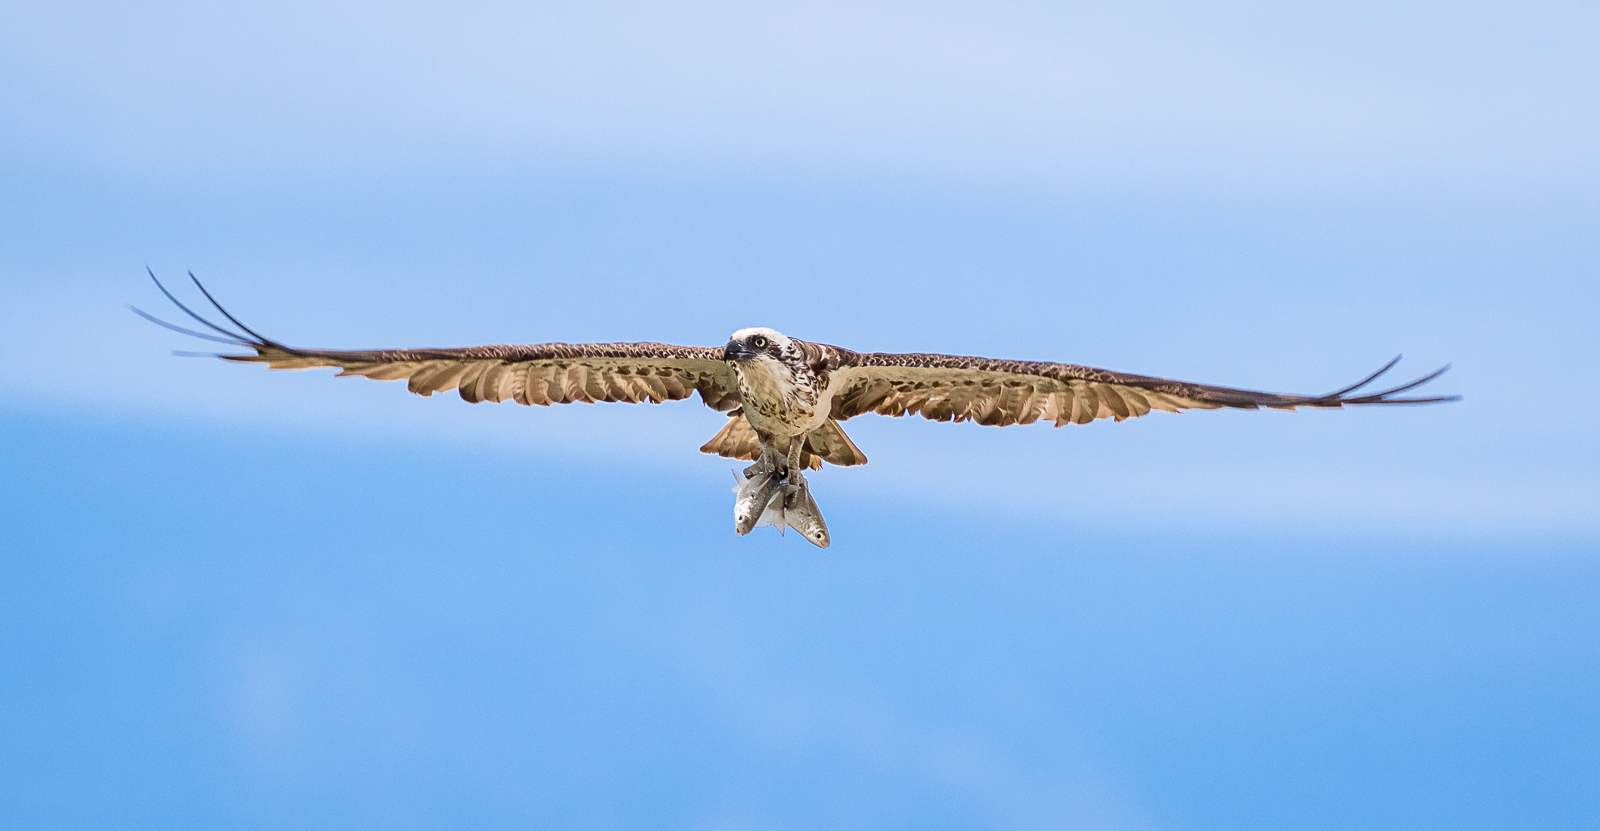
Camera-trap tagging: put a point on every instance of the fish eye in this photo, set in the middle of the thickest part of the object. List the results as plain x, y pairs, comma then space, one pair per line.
759, 342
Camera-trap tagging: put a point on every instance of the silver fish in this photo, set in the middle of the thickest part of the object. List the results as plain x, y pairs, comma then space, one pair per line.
754, 498
801, 513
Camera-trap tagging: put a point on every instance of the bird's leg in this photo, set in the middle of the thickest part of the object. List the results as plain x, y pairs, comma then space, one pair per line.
767, 463
793, 476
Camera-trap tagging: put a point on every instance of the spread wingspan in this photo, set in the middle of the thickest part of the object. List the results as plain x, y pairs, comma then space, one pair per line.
937, 387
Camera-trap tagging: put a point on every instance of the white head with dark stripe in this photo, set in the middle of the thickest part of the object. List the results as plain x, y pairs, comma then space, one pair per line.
768, 361
751, 348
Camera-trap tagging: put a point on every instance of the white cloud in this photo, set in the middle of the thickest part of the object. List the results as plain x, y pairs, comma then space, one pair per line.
1156, 89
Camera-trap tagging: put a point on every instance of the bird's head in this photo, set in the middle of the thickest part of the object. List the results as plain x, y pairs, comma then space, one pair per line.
751, 347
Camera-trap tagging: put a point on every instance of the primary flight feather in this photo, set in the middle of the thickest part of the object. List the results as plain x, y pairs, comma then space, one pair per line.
784, 397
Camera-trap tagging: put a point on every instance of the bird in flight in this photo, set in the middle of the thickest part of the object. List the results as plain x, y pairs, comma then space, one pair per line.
784, 397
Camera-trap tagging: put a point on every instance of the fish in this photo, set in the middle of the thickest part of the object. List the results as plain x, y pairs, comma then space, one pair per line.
801, 513
755, 495
764, 498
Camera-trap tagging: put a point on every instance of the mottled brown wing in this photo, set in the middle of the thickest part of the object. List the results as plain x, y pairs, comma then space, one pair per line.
987, 391
548, 373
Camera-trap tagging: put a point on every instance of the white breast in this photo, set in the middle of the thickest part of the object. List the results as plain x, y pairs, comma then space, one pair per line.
777, 403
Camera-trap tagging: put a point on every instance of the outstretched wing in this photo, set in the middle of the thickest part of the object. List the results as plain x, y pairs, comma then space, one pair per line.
954, 388
547, 373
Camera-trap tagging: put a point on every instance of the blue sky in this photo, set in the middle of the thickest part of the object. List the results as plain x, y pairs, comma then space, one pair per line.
255, 600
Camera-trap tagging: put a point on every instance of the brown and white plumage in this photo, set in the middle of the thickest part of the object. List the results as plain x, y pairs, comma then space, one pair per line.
785, 397
547, 373
1000, 393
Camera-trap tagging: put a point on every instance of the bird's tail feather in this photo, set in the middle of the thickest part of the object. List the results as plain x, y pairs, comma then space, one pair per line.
738, 440
830, 442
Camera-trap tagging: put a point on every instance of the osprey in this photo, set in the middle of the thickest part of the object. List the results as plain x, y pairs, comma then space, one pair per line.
785, 397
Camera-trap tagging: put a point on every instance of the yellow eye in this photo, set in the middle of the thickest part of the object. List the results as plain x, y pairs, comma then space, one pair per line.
758, 342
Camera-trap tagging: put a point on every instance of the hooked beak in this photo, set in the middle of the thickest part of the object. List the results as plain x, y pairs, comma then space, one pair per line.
737, 351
